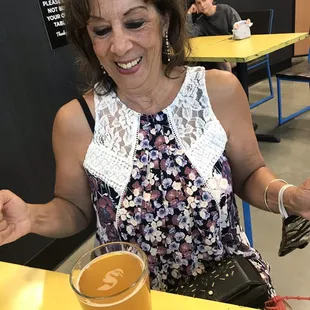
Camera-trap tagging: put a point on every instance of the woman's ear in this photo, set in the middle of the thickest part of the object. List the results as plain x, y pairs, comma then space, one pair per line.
165, 23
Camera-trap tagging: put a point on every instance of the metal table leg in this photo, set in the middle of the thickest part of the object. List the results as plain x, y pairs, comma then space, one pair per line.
242, 74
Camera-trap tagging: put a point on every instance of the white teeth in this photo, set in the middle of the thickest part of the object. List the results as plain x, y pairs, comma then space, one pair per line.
130, 64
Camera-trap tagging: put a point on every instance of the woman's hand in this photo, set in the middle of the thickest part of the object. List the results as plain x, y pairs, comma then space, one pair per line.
15, 219
300, 200
193, 9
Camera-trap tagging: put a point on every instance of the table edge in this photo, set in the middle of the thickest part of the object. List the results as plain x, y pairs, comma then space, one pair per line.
303, 35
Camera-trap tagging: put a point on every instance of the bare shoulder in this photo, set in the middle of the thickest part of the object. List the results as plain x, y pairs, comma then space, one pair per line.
70, 118
227, 98
222, 84
71, 129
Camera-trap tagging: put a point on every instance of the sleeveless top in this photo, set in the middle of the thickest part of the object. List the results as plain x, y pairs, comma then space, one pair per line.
163, 181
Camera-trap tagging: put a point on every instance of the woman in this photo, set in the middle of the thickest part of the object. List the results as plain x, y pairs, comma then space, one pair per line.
170, 144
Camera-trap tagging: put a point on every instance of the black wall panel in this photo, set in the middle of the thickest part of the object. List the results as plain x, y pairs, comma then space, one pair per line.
35, 81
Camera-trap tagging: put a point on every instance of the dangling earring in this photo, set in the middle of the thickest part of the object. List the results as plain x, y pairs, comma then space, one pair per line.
167, 46
103, 71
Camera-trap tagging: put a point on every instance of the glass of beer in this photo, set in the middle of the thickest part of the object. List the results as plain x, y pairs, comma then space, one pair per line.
113, 276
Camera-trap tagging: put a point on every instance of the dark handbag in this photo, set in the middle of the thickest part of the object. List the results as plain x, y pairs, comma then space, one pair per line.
234, 281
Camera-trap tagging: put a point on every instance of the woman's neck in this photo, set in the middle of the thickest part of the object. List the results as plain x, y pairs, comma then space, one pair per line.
154, 98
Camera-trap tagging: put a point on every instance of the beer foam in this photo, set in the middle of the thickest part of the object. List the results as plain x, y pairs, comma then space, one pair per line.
95, 305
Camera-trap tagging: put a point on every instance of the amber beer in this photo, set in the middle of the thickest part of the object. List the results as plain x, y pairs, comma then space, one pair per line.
116, 280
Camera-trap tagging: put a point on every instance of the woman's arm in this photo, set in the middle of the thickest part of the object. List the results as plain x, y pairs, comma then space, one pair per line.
250, 174
71, 210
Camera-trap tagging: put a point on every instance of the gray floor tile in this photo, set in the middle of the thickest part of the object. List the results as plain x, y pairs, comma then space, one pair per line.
289, 160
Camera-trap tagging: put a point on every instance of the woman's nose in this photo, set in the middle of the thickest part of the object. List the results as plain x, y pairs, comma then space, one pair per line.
121, 43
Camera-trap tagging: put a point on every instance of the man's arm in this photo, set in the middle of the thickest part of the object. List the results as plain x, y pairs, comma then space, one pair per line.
233, 17
193, 29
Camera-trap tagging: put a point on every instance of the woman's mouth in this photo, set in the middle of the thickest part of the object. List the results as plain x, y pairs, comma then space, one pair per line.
129, 65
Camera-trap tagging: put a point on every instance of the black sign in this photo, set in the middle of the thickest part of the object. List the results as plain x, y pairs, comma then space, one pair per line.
53, 15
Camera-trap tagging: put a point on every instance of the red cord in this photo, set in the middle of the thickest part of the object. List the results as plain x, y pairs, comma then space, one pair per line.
279, 303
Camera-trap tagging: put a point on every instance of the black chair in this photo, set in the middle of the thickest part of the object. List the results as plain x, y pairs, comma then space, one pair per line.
262, 24
297, 73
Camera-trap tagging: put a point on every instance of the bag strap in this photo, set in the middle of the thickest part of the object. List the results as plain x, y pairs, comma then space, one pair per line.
87, 113
279, 302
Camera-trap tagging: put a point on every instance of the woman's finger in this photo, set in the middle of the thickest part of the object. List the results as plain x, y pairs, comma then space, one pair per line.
3, 225
5, 234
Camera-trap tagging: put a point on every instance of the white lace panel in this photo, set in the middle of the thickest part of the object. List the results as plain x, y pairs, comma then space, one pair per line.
196, 127
110, 154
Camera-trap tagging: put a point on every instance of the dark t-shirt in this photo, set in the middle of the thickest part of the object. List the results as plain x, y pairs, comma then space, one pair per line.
221, 23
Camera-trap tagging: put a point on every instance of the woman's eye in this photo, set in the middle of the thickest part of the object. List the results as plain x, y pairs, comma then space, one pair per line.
101, 32
135, 25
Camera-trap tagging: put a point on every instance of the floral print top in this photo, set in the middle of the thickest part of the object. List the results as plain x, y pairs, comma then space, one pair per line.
168, 209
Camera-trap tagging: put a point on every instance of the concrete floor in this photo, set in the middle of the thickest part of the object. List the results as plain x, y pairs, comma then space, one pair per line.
289, 160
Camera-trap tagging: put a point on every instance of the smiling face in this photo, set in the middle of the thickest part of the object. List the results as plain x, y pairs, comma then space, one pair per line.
127, 40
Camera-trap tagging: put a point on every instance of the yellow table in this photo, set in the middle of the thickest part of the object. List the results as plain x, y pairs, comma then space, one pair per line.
198, 42
24, 288
225, 49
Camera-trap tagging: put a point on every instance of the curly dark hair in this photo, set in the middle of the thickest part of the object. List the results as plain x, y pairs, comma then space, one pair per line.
77, 16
